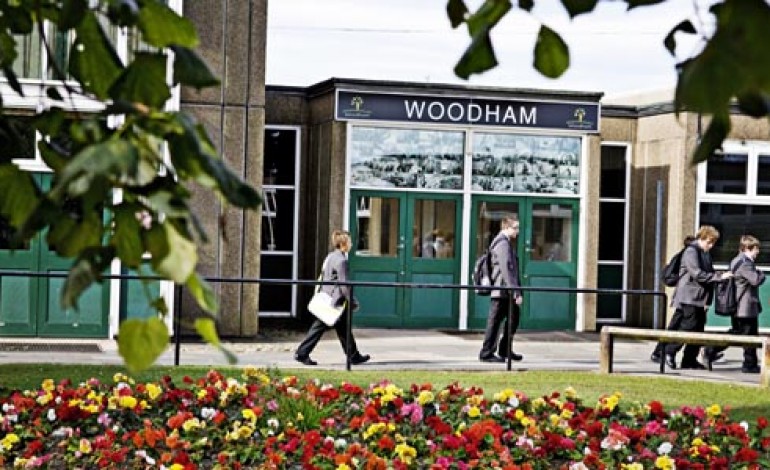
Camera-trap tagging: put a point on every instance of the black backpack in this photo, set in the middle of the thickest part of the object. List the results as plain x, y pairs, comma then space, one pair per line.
726, 296
670, 274
482, 273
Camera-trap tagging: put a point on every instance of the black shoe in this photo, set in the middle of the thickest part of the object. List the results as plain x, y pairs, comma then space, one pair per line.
359, 358
751, 369
671, 361
712, 356
491, 358
305, 360
694, 365
655, 357
514, 356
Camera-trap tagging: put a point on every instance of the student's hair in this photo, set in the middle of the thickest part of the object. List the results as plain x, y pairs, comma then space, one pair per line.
339, 237
509, 221
749, 242
708, 233
688, 239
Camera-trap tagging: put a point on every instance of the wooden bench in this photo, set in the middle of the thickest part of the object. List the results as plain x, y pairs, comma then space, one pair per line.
609, 333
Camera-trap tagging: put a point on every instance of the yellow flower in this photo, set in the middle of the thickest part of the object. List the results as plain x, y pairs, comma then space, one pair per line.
153, 391
664, 462
714, 410
526, 421
85, 446
632, 466
474, 412
406, 453
249, 414
570, 393
425, 397
373, 429
504, 395
45, 399
191, 424
245, 432
202, 393
343, 466
48, 385
518, 414
566, 413
475, 400
554, 419
9, 440
20, 462
176, 466
127, 402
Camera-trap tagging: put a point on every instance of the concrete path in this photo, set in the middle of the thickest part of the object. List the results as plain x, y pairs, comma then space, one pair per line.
393, 350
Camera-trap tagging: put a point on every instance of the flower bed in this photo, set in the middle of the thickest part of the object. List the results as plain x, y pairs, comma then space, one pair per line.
259, 421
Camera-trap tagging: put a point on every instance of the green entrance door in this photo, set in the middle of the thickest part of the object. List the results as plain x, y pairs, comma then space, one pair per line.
547, 250
405, 237
30, 306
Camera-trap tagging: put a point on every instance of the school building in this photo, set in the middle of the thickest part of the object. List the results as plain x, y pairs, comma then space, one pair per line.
421, 174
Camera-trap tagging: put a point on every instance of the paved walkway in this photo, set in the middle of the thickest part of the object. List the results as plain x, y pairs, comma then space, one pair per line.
393, 350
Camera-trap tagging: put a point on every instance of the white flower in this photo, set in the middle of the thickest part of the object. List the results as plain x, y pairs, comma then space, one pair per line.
587, 451
696, 431
514, 402
745, 425
51, 414
208, 413
340, 443
272, 422
665, 448
496, 409
578, 466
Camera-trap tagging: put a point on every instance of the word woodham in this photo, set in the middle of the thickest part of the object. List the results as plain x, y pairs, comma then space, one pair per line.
489, 113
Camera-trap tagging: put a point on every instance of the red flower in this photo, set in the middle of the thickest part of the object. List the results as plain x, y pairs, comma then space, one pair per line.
761, 422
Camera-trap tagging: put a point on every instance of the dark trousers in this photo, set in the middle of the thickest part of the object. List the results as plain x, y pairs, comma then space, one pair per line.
317, 330
741, 326
693, 319
676, 321
498, 313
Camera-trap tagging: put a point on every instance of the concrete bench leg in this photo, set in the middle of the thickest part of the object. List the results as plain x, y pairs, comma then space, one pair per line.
605, 352
764, 376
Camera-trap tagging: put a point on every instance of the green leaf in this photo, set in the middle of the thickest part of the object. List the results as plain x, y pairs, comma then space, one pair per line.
127, 235
93, 61
641, 3
13, 80
123, 12
551, 53
670, 41
487, 16
190, 70
173, 255
456, 11
115, 159
72, 12
193, 156
208, 331
19, 194
51, 157
53, 93
712, 139
478, 58
70, 236
578, 7
86, 270
754, 104
202, 293
143, 81
526, 5
8, 52
141, 342
162, 27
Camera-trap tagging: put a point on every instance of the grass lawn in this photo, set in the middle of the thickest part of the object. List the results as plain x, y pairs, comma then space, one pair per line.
746, 402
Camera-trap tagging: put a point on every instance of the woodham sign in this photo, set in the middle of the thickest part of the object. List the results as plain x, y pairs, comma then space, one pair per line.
364, 106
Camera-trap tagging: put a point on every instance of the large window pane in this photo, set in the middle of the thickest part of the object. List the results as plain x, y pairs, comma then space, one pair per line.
525, 163
278, 219
610, 306
763, 174
28, 60
611, 230
377, 226
726, 173
551, 232
280, 156
406, 158
734, 220
613, 176
433, 229
276, 297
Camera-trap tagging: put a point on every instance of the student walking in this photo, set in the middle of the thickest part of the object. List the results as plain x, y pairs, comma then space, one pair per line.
505, 273
745, 321
693, 293
335, 268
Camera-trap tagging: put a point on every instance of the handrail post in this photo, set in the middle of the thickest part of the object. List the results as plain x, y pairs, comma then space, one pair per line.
177, 322
348, 333
509, 328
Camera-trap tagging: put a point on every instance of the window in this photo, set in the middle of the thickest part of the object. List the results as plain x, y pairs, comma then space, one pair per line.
515, 163
734, 197
613, 230
406, 158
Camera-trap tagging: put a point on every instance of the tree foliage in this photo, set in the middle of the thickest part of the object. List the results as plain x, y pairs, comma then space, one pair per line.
733, 65
132, 151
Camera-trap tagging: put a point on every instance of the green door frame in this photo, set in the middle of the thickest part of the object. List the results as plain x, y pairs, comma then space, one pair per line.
532, 272
402, 307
